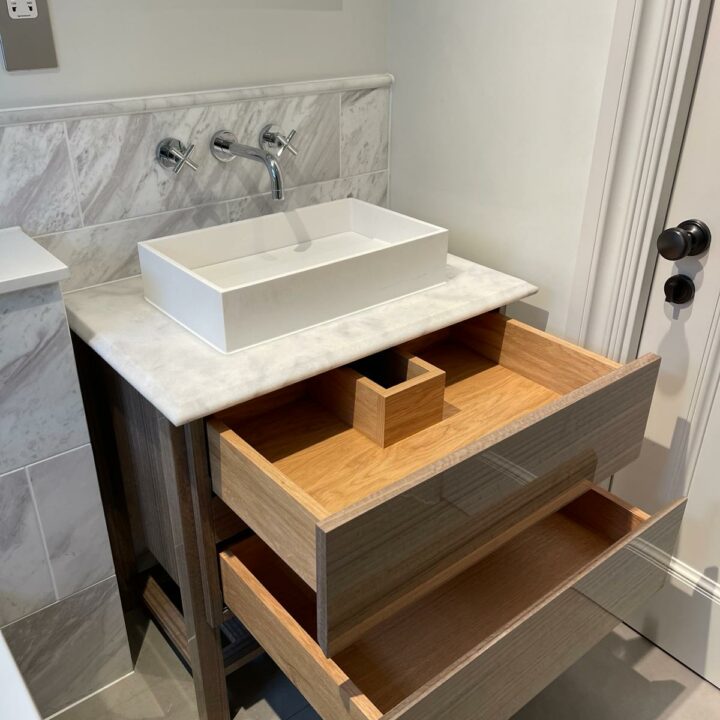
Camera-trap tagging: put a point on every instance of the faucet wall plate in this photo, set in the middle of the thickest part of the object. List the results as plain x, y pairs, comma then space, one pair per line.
219, 141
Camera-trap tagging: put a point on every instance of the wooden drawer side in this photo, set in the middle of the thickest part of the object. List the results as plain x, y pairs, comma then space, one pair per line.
283, 516
546, 359
319, 679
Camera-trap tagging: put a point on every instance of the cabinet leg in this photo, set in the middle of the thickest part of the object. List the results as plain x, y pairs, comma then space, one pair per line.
204, 641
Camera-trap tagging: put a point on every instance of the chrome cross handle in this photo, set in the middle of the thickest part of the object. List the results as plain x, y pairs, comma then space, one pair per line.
272, 138
173, 155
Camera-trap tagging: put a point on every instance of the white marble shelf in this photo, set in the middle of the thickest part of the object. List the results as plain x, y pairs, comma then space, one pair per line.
186, 379
24, 264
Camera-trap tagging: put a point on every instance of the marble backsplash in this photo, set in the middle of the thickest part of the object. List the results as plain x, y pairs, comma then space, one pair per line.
87, 187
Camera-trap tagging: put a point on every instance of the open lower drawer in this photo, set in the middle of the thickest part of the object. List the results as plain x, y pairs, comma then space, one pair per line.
370, 520
486, 641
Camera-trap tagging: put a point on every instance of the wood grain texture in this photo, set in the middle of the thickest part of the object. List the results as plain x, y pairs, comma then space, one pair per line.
93, 373
367, 559
414, 405
325, 686
548, 360
167, 616
241, 648
520, 661
282, 514
298, 468
179, 452
342, 620
459, 652
324, 458
201, 494
412, 401
226, 524
137, 435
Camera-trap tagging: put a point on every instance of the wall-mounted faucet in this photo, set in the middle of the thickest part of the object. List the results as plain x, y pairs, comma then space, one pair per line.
271, 145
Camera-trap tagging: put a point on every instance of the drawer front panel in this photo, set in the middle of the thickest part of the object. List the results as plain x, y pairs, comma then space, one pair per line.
383, 552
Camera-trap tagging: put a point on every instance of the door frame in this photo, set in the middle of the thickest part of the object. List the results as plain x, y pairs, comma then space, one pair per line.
655, 52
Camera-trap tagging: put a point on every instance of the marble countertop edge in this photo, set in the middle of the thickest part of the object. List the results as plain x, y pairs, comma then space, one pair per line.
187, 380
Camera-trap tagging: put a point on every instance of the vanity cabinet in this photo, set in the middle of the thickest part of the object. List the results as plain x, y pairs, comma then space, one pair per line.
419, 535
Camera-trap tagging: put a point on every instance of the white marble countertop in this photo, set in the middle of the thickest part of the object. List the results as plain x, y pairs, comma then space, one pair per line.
186, 379
15, 700
24, 264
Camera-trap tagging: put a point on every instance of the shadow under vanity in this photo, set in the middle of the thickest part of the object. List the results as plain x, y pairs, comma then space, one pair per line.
416, 534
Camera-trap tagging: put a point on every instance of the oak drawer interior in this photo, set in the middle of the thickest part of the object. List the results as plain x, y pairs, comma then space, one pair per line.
404, 655
496, 370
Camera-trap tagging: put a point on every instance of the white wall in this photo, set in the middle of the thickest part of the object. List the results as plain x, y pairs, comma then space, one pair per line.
494, 117
123, 48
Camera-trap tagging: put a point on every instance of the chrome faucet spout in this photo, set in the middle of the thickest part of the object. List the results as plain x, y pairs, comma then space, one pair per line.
276, 176
265, 158
225, 147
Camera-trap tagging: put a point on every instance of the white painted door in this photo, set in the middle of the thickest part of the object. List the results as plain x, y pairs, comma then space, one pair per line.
681, 454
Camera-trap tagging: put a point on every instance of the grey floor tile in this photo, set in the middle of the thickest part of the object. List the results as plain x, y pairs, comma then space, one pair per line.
72, 648
624, 678
261, 692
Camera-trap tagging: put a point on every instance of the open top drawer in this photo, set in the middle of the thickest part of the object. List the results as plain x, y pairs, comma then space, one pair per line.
485, 642
525, 417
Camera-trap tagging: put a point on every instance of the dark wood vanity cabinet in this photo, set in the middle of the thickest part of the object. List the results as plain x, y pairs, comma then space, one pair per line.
418, 535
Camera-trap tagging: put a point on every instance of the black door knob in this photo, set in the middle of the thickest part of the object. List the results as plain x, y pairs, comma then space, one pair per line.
691, 237
679, 289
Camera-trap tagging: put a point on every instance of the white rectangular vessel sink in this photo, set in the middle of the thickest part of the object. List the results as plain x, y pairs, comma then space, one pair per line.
247, 282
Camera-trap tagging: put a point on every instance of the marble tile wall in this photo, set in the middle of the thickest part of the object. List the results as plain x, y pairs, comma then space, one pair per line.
41, 412
88, 188
59, 610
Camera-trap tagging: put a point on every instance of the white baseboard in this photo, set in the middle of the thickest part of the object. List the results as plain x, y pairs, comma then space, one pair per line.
684, 617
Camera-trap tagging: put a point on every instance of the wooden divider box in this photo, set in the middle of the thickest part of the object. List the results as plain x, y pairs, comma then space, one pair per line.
388, 397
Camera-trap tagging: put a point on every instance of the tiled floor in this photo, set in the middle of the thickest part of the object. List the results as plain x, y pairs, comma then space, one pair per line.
623, 678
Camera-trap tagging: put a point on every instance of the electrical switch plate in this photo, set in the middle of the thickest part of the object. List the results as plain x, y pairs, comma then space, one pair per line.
26, 35
22, 9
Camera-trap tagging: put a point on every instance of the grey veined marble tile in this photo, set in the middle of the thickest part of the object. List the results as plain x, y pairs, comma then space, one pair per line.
71, 513
25, 582
118, 177
36, 182
372, 188
108, 252
72, 648
41, 411
365, 122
